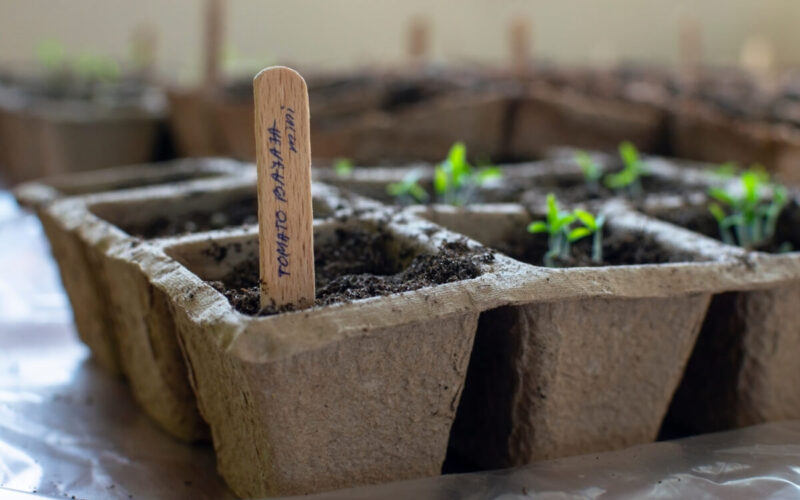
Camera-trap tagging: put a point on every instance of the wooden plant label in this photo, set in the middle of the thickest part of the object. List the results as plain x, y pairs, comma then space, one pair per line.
283, 156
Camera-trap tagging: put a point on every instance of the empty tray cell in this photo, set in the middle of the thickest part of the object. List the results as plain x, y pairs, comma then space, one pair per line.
192, 212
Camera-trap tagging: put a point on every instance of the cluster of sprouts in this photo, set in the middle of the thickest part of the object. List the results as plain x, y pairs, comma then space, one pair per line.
558, 225
628, 179
455, 181
747, 214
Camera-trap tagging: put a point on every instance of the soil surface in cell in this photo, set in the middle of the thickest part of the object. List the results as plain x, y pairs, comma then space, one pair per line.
576, 190
138, 183
619, 249
235, 213
238, 212
698, 219
357, 264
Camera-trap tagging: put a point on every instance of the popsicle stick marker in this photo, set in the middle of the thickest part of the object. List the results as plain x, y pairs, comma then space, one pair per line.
283, 157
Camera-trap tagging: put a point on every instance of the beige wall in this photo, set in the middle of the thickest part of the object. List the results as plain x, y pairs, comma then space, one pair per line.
340, 33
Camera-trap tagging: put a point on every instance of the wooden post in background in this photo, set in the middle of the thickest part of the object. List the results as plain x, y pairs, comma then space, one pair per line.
214, 34
285, 219
520, 46
690, 50
144, 45
757, 56
419, 41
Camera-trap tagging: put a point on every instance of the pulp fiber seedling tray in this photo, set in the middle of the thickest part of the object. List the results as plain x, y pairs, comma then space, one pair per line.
43, 136
123, 320
76, 258
38, 193
393, 366
744, 367
546, 116
703, 133
426, 128
275, 389
764, 398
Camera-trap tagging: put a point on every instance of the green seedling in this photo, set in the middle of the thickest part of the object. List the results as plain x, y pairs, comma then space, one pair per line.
590, 168
629, 178
561, 235
95, 67
592, 226
456, 181
343, 167
51, 55
727, 170
408, 191
750, 220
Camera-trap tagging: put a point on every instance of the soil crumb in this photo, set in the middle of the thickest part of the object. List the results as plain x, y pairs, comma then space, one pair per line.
358, 264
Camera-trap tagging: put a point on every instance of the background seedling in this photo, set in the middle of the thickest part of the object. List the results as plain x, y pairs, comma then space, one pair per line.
629, 178
456, 181
92, 67
408, 191
343, 167
750, 219
590, 168
51, 55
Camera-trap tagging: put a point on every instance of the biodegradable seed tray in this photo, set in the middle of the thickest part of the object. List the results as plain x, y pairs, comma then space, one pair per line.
492, 363
77, 258
127, 323
703, 133
743, 368
44, 136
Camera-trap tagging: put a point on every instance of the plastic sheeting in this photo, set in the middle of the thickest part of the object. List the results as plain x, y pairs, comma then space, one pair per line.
67, 429
757, 462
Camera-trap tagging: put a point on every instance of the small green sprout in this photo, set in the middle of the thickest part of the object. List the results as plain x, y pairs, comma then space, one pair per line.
750, 221
592, 172
592, 226
727, 170
51, 55
456, 181
561, 235
408, 191
95, 67
343, 167
630, 176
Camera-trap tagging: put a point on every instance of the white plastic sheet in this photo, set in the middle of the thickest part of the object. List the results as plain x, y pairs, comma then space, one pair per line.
67, 429
756, 462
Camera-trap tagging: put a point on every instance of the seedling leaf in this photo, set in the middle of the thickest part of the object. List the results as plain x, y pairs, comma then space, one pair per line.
538, 227
578, 233
587, 218
343, 167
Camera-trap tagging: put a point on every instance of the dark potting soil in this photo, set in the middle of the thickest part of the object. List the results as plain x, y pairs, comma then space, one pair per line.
619, 249
235, 213
575, 190
698, 219
358, 264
